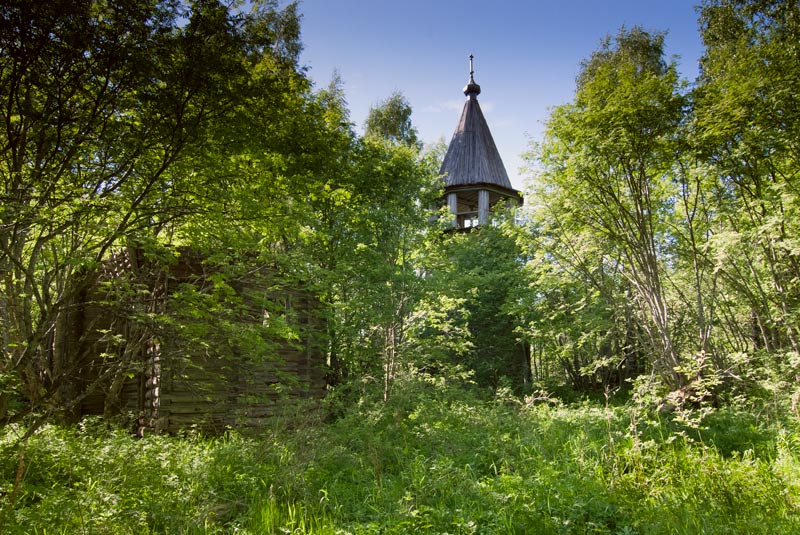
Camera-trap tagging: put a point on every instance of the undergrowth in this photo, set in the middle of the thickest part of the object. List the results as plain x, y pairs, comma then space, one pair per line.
424, 462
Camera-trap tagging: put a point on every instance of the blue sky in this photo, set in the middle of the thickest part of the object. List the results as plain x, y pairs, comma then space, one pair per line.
527, 55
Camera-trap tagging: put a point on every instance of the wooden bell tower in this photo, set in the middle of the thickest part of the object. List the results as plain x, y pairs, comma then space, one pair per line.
474, 175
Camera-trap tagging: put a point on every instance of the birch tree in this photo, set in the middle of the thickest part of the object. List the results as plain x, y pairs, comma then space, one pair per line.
606, 165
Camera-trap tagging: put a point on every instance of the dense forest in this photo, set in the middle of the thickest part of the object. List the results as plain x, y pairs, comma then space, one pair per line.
621, 355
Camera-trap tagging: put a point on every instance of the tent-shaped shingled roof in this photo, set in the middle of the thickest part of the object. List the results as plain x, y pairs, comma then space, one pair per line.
472, 156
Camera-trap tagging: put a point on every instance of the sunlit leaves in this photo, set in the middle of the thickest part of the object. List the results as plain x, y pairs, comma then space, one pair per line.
607, 159
121, 126
747, 121
391, 120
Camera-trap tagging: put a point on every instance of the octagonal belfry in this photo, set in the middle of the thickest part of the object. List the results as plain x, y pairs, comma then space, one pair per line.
474, 175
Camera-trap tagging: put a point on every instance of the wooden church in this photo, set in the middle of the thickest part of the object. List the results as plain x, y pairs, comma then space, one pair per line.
145, 347
475, 177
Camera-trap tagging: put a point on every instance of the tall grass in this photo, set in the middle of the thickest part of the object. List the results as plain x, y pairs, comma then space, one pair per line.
425, 462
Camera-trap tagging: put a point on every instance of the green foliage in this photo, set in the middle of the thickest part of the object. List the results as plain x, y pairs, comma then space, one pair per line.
433, 459
391, 120
746, 108
606, 162
115, 120
662, 239
662, 232
475, 278
200, 134
365, 241
575, 311
605, 190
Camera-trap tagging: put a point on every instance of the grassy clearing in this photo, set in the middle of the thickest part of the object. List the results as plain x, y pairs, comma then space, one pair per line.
425, 463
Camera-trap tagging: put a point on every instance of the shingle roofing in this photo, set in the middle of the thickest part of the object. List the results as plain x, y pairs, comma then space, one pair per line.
472, 157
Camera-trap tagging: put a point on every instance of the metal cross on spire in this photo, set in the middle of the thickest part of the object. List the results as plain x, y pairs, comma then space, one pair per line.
472, 88
471, 70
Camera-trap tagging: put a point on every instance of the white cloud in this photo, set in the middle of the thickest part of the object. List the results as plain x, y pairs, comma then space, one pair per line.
449, 105
455, 105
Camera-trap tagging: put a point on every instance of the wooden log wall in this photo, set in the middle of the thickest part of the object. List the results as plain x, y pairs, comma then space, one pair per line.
179, 385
